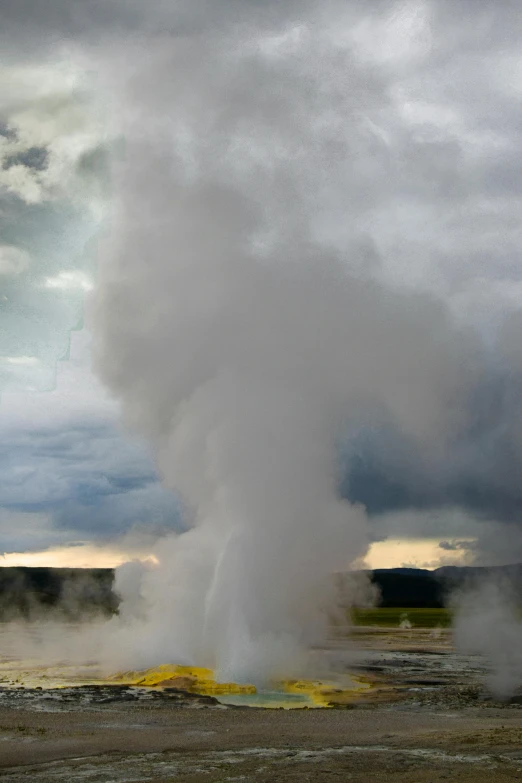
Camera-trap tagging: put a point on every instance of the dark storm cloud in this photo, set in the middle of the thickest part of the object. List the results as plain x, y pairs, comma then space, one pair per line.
480, 471
471, 489
42, 24
33, 158
88, 480
455, 546
6, 131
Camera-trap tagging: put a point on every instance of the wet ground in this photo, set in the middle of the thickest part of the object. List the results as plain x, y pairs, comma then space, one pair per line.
423, 717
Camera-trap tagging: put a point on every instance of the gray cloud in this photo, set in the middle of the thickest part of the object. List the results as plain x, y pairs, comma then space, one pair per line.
33, 158
478, 471
85, 482
419, 188
456, 546
53, 152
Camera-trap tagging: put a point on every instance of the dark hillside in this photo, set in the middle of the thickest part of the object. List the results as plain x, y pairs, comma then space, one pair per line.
400, 587
71, 593
83, 593
418, 588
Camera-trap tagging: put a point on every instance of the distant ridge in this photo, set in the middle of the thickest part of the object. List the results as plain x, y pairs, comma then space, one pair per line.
83, 593
513, 570
413, 571
418, 587
66, 593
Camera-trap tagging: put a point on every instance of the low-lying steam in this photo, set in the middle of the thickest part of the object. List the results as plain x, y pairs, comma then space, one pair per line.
487, 623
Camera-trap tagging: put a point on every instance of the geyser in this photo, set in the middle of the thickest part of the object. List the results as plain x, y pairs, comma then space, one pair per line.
238, 321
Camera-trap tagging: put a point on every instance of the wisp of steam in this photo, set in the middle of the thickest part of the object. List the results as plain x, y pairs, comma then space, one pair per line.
239, 320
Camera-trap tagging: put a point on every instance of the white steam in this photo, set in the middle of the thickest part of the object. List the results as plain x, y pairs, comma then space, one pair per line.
237, 320
487, 623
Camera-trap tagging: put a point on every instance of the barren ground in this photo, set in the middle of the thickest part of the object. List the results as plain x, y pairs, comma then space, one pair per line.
429, 722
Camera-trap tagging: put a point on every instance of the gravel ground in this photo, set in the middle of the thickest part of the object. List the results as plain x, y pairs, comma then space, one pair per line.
426, 718
161, 741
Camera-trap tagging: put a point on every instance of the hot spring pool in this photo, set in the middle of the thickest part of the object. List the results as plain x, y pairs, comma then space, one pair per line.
270, 700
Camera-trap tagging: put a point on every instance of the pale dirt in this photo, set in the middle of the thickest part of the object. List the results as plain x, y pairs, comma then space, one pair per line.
135, 742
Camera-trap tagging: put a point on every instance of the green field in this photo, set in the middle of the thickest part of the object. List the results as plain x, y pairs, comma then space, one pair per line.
393, 617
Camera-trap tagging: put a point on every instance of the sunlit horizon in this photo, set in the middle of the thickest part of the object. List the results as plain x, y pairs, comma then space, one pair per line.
390, 553
82, 556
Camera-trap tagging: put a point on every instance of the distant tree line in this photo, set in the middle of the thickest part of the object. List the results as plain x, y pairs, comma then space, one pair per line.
65, 593
87, 593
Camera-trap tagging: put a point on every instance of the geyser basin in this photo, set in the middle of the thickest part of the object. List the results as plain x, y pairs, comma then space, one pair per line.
287, 694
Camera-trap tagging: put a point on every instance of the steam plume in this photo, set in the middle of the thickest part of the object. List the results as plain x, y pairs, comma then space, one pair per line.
243, 335
487, 623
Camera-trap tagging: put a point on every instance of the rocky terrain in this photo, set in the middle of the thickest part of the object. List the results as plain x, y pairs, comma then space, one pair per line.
425, 717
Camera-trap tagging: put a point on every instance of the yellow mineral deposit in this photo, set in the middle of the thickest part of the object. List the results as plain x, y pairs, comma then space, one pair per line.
327, 693
186, 678
286, 694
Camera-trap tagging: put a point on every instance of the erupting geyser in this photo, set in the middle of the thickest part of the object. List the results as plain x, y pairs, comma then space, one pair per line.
243, 334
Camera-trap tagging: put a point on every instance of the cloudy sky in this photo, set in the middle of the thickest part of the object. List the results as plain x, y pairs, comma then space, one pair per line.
429, 202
